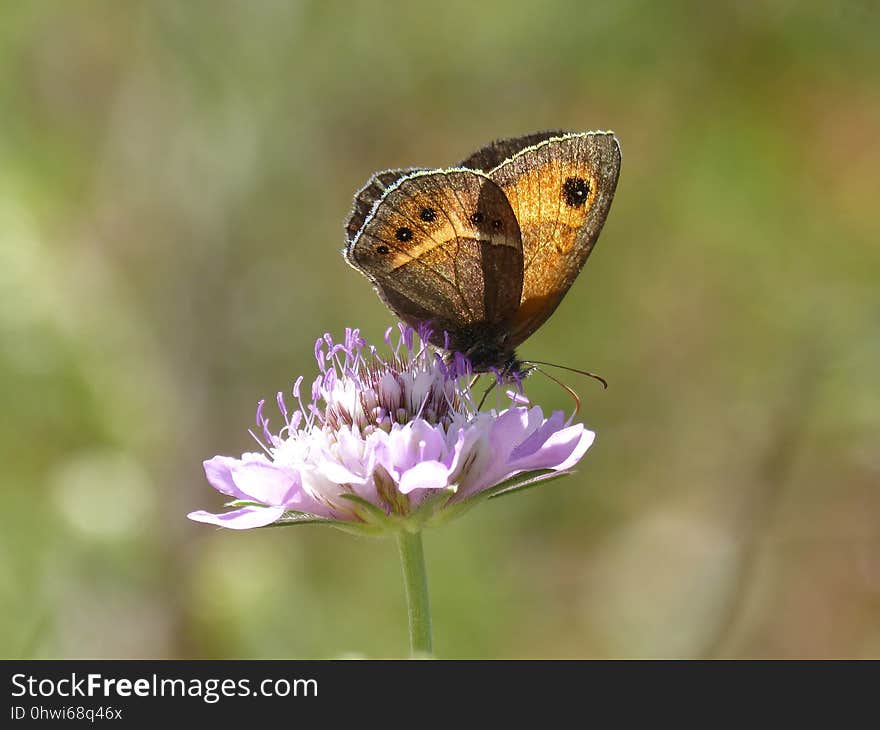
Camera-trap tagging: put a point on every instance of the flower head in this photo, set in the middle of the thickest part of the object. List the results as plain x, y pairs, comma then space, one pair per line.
388, 441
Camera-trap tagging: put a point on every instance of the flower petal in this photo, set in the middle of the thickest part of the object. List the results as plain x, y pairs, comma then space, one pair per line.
585, 442
490, 464
245, 518
424, 475
540, 434
266, 483
219, 473
415, 442
561, 450
336, 473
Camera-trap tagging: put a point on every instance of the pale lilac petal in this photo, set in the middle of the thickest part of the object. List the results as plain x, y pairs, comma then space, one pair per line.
431, 440
404, 446
352, 452
305, 500
370, 447
425, 475
585, 442
511, 429
460, 442
395, 451
509, 426
245, 518
539, 435
521, 440
413, 443
219, 473
382, 455
470, 455
336, 473
492, 466
266, 483
560, 451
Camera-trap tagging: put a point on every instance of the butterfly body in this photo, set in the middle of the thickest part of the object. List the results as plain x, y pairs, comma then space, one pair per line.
484, 252
485, 344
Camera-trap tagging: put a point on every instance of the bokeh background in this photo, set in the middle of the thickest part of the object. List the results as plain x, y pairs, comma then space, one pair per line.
173, 181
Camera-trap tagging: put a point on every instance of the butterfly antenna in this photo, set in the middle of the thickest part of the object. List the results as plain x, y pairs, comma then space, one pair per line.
571, 370
568, 389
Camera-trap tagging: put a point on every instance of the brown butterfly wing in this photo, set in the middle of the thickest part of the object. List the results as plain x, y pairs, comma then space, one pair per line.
494, 153
560, 191
366, 198
443, 248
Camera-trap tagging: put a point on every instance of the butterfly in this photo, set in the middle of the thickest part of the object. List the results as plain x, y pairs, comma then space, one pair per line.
484, 252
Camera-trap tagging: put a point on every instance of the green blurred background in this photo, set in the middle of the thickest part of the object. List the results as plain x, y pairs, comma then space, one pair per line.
173, 181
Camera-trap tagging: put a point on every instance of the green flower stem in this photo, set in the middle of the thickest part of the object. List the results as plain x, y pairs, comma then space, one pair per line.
416, 580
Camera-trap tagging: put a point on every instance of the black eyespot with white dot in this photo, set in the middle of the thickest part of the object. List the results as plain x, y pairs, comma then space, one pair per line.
403, 234
477, 218
429, 215
382, 249
575, 190
497, 224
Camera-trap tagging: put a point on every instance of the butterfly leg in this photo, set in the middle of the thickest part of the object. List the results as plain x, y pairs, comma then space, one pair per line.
486, 394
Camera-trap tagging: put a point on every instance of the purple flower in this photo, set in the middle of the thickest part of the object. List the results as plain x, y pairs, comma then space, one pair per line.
388, 441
